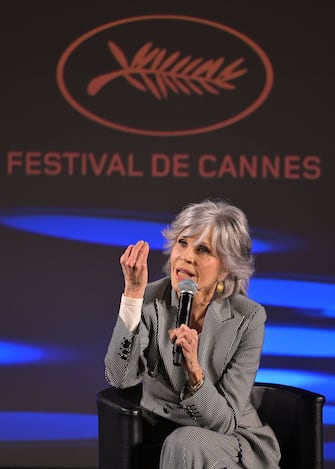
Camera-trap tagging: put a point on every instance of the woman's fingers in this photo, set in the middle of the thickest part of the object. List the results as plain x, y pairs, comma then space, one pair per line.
135, 269
135, 255
185, 337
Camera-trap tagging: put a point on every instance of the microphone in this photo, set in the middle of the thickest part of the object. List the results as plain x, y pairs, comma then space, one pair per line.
187, 288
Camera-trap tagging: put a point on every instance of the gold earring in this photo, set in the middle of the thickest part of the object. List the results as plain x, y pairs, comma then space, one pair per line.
220, 286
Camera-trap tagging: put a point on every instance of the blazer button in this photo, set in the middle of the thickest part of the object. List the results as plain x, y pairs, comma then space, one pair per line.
165, 410
150, 373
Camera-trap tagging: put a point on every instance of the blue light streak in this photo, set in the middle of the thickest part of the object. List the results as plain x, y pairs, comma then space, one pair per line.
321, 383
329, 415
12, 353
16, 353
104, 229
329, 451
46, 426
299, 341
293, 293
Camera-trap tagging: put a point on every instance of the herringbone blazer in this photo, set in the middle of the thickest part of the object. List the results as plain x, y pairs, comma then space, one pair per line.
229, 352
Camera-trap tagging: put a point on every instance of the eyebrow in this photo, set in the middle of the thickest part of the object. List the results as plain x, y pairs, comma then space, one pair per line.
198, 241
203, 243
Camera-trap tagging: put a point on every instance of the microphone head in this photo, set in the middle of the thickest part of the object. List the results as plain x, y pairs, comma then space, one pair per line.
187, 286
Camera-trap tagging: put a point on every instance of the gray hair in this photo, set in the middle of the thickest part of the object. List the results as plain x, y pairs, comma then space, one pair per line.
231, 240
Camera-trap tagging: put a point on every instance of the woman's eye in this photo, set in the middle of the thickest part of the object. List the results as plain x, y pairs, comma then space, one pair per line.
182, 242
203, 249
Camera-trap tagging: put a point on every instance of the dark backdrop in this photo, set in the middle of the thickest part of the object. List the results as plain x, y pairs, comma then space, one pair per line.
82, 175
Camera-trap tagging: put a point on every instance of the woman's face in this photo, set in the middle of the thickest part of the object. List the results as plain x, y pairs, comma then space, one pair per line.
196, 261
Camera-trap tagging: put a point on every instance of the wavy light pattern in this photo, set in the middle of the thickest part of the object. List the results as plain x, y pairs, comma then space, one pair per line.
11, 353
294, 293
100, 229
329, 451
44, 426
299, 341
16, 353
322, 383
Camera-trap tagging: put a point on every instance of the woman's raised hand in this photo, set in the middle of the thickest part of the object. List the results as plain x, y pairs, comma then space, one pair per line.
134, 263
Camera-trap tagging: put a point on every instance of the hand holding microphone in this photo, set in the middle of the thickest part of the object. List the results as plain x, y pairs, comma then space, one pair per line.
187, 289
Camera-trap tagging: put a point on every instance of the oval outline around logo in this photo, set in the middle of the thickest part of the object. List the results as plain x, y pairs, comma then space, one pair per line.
269, 77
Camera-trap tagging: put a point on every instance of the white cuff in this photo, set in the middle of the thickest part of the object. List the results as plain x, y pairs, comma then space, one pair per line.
130, 312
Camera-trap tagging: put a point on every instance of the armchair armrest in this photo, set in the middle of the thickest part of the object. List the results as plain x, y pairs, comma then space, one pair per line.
120, 428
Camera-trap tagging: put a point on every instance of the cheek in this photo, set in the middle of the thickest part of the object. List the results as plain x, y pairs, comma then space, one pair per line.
172, 257
213, 268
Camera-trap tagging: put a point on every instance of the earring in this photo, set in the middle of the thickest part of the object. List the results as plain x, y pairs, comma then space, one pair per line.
220, 286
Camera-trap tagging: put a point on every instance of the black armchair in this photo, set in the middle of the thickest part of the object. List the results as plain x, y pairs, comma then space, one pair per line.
294, 414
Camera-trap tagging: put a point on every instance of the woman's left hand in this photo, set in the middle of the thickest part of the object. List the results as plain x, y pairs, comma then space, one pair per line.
187, 339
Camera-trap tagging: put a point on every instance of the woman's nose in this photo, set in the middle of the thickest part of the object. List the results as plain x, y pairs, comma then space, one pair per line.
188, 255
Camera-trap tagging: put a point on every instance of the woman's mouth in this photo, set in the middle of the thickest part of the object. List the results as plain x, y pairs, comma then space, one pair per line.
183, 273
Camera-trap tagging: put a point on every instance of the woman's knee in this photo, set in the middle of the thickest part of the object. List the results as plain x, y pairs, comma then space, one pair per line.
194, 447
177, 439
177, 448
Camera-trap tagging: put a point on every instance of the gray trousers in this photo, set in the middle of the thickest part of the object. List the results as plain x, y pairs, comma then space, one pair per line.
198, 448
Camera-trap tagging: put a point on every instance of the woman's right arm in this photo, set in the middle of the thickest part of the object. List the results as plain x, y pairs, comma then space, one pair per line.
124, 361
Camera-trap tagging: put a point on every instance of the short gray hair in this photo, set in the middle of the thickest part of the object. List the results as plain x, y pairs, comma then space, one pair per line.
231, 240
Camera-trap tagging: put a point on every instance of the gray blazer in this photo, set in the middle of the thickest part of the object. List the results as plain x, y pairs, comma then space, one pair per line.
229, 352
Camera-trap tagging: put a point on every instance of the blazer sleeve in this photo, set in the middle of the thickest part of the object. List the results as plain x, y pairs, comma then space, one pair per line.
125, 363
128, 354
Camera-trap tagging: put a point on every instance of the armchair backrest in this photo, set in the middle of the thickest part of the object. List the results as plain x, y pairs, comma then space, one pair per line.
295, 416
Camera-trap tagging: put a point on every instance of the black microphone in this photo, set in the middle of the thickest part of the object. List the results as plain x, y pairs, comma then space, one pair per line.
187, 288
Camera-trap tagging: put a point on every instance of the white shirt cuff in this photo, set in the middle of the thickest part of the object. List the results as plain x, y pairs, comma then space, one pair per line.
130, 312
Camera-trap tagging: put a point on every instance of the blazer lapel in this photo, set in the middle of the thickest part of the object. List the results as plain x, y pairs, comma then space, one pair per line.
218, 334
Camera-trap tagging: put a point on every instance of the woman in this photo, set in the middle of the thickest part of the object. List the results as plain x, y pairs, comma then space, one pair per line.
201, 410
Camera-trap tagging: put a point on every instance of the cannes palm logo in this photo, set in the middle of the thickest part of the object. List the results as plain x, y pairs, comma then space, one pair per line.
133, 75
179, 75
